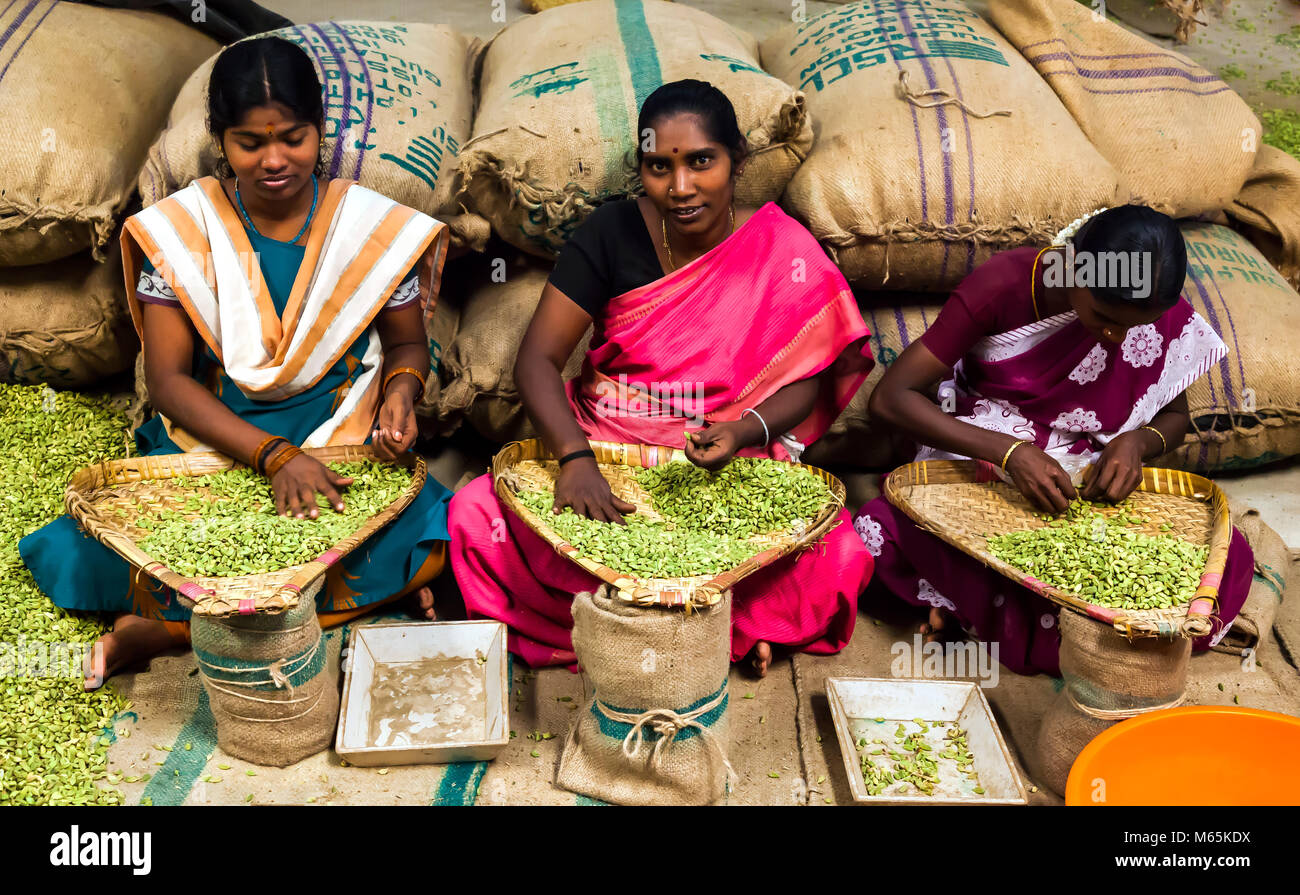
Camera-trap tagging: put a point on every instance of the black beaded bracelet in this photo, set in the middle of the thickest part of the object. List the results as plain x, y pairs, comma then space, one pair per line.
576, 454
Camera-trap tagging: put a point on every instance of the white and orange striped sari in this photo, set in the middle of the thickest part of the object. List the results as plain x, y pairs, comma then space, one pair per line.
359, 245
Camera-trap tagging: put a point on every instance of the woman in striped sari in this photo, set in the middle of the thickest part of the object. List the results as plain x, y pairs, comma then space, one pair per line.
277, 309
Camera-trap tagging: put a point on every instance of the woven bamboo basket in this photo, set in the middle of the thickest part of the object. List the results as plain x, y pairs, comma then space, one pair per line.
529, 466
959, 501
95, 493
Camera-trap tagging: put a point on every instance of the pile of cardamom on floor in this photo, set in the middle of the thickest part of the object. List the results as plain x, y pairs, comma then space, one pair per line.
228, 525
1099, 557
53, 735
708, 519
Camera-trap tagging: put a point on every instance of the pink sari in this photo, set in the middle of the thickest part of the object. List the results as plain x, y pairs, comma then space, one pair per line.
1052, 383
780, 313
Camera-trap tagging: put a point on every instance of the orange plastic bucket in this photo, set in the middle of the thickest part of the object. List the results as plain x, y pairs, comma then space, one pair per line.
1196, 755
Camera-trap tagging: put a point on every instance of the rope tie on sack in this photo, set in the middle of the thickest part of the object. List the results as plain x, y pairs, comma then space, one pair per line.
668, 723
278, 674
1122, 714
914, 98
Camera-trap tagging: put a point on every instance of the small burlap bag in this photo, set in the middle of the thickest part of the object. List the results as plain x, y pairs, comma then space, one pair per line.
83, 92
1246, 409
1268, 209
398, 106
1107, 680
655, 731
1179, 137
559, 95
267, 682
65, 323
937, 144
478, 379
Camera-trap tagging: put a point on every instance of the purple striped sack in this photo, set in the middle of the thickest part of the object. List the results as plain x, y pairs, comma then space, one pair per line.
937, 144
398, 106
1246, 409
83, 91
1181, 139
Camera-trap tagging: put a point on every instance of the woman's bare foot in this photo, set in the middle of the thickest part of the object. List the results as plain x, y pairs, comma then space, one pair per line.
421, 605
761, 658
133, 640
941, 627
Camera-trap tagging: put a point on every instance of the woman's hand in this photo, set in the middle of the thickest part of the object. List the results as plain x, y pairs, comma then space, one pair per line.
714, 447
581, 486
1119, 469
1041, 479
298, 482
395, 429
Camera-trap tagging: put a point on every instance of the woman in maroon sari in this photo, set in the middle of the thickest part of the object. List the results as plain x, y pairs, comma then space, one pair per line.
1074, 355
705, 315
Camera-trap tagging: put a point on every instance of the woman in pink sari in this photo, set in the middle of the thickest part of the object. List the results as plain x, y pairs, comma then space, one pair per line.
1072, 355
704, 315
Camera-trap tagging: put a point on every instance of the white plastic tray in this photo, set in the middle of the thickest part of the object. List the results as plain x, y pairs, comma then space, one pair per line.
374, 644
858, 701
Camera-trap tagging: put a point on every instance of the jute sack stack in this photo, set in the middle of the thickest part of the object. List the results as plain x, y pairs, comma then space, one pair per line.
1107, 680
937, 144
65, 323
398, 106
83, 91
559, 94
267, 683
1180, 138
655, 731
478, 381
1246, 409
1268, 209
851, 439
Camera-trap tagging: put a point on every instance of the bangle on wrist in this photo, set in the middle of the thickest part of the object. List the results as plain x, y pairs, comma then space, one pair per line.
398, 372
1164, 445
588, 452
260, 453
767, 436
1011, 450
281, 459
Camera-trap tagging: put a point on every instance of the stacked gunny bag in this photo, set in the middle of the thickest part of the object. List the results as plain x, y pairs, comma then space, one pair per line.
83, 92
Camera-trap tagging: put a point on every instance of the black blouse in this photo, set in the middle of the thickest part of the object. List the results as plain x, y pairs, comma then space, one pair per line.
609, 254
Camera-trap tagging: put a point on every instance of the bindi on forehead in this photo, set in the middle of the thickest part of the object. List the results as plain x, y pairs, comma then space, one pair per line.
674, 150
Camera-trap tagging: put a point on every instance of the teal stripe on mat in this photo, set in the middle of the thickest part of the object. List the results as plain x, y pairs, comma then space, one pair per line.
173, 781
587, 801
460, 782
639, 47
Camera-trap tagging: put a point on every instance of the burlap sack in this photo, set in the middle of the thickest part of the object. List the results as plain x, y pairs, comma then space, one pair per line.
559, 96
851, 439
267, 683
655, 731
1181, 138
83, 91
1272, 569
65, 323
1246, 409
913, 183
1268, 209
1107, 679
478, 381
398, 105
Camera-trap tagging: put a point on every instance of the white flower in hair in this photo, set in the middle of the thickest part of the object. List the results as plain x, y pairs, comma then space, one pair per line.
1068, 233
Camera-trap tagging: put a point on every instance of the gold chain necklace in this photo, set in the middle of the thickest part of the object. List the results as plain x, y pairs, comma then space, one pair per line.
663, 223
